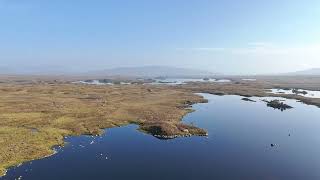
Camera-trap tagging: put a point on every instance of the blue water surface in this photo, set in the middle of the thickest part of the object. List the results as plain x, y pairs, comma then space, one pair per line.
238, 147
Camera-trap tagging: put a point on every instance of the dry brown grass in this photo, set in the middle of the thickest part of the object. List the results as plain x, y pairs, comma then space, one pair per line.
259, 88
36, 114
35, 117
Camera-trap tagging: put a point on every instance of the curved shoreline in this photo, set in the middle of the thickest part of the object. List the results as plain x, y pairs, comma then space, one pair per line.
92, 108
186, 110
159, 136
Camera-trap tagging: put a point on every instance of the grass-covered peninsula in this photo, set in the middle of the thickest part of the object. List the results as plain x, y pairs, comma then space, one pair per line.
37, 114
36, 117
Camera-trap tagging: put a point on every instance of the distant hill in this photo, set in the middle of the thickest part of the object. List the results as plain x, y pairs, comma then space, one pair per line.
152, 71
36, 70
145, 71
308, 72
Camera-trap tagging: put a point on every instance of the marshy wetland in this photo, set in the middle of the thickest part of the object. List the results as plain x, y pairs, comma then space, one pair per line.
254, 141
227, 131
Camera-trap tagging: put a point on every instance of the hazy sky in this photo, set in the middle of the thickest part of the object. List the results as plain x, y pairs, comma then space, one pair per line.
229, 36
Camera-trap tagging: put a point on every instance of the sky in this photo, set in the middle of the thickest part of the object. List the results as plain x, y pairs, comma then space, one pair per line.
225, 36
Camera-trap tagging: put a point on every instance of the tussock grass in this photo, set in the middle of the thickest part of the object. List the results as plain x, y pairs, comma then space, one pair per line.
36, 117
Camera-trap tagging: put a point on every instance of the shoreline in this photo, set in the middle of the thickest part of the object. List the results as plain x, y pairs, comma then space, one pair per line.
163, 137
159, 136
90, 109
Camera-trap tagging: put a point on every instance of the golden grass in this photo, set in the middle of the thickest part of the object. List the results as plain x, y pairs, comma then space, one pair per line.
36, 117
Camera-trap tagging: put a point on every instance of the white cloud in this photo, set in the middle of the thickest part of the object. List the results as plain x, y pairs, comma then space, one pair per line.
306, 66
263, 48
312, 49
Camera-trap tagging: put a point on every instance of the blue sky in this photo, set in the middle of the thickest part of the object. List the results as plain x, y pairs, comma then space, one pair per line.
228, 36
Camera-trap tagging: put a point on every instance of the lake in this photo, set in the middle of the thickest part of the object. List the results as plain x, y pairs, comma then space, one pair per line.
178, 81
306, 93
238, 147
165, 81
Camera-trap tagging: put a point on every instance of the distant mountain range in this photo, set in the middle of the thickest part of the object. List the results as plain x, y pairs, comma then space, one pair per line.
152, 71
308, 72
36, 70
144, 71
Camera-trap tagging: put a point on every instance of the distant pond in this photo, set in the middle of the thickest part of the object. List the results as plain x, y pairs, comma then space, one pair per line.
247, 141
300, 92
162, 81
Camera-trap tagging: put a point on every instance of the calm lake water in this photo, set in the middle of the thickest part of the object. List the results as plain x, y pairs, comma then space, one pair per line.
238, 147
166, 81
310, 94
178, 81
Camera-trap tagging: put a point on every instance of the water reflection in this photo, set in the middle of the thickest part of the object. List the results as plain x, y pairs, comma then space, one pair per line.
247, 140
300, 92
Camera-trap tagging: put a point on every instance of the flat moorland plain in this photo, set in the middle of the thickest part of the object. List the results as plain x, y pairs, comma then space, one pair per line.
260, 88
36, 117
37, 114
